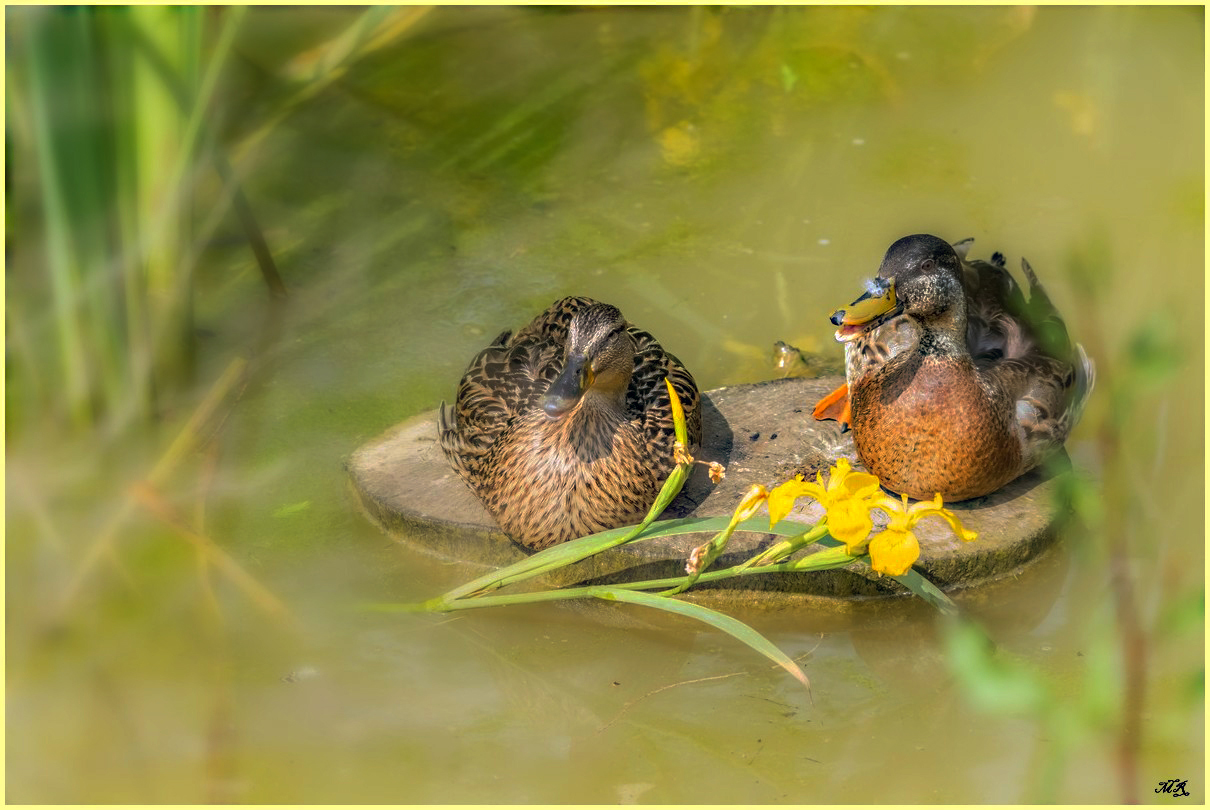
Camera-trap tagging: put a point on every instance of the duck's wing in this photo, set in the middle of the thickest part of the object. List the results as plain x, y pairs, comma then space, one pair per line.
1023, 349
1061, 379
1048, 327
995, 312
504, 380
647, 400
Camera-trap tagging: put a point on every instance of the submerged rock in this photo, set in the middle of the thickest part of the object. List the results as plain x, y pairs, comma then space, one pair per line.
764, 434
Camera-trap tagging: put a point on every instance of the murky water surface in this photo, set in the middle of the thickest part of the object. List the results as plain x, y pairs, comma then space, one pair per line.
726, 178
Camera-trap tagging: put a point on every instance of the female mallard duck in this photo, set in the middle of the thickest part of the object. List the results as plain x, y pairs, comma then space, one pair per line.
565, 428
955, 384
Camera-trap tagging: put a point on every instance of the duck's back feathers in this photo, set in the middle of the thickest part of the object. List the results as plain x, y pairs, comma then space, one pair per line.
647, 399
508, 377
1021, 346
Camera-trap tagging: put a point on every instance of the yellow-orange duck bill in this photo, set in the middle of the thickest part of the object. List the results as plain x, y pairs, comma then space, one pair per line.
875, 306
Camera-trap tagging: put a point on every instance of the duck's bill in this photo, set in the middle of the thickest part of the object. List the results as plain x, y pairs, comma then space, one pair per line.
567, 389
875, 307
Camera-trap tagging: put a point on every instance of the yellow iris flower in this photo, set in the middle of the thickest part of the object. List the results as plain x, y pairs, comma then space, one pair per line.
895, 549
848, 498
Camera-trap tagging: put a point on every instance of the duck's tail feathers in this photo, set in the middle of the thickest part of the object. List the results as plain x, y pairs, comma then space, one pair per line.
1081, 389
448, 438
1051, 333
445, 418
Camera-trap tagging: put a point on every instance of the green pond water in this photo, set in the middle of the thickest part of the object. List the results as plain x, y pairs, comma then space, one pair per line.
727, 178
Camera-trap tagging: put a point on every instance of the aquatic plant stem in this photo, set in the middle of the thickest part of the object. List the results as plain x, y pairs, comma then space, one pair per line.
913, 580
704, 555
786, 547
824, 560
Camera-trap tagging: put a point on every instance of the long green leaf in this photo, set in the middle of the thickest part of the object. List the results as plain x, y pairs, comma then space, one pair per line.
713, 618
918, 584
575, 550
822, 560
830, 557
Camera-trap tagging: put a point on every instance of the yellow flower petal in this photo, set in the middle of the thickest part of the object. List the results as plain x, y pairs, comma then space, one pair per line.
924, 509
893, 552
841, 468
861, 485
783, 496
849, 522
964, 534
898, 515
844, 481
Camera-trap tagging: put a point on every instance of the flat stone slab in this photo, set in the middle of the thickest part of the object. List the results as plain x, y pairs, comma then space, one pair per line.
763, 433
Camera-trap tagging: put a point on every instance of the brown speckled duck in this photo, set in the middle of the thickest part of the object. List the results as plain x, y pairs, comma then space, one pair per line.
955, 383
565, 428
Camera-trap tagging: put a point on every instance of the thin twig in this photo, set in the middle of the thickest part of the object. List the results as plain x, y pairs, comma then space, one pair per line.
656, 691
103, 546
146, 495
631, 704
1133, 639
252, 230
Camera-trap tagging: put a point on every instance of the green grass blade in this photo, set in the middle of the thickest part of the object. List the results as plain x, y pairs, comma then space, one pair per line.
721, 621
48, 61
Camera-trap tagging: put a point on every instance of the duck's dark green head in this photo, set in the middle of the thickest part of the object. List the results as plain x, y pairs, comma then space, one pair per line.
920, 276
599, 357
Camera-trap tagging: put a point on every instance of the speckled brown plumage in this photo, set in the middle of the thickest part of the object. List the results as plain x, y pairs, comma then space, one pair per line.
980, 384
565, 428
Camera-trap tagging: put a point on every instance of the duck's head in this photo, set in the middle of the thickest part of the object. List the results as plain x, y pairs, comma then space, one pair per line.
921, 277
599, 357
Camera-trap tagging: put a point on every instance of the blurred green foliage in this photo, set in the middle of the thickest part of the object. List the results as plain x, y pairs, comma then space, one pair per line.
112, 100
1105, 697
119, 113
